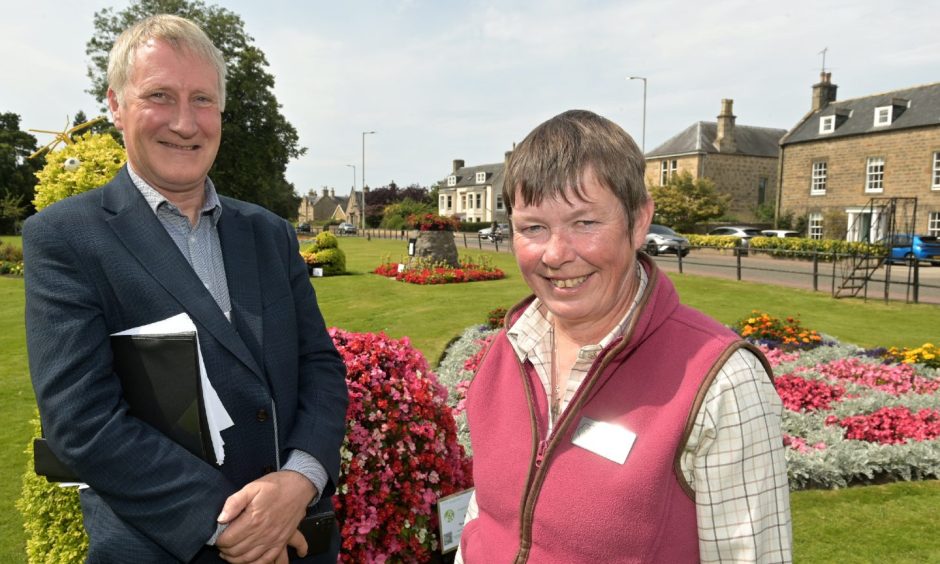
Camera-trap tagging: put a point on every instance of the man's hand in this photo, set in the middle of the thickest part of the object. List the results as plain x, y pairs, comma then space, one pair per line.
262, 519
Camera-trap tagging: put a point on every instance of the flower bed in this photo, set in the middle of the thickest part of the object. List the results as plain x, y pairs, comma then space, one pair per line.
400, 454
432, 222
851, 415
425, 272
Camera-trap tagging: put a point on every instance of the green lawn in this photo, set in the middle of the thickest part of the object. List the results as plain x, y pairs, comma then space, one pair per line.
892, 523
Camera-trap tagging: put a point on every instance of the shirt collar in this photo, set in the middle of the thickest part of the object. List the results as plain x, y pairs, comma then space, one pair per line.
533, 325
211, 206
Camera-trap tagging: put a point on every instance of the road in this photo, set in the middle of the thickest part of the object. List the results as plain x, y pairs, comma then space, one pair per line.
781, 271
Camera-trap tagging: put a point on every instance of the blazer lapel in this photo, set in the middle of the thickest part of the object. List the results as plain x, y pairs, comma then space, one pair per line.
144, 236
236, 236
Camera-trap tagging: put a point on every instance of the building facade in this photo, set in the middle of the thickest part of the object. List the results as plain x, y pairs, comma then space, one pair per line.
474, 193
322, 207
845, 159
741, 160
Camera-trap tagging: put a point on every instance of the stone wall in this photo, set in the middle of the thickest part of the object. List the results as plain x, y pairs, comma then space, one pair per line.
740, 176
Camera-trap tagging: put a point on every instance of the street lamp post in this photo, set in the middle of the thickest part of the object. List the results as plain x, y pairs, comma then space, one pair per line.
643, 142
364, 133
354, 174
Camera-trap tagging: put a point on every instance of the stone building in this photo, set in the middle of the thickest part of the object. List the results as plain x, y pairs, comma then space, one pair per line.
322, 207
846, 160
741, 160
474, 193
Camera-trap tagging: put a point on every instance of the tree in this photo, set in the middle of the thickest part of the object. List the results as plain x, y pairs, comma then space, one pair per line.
378, 199
17, 171
685, 201
257, 140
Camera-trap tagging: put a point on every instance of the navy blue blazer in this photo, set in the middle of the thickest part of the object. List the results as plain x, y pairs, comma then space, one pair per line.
101, 262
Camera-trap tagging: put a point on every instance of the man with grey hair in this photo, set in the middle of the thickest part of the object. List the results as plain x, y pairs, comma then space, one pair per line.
155, 242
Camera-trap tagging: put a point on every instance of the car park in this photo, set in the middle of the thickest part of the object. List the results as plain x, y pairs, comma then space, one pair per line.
346, 229
905, 247
502, 230
781, 233
661, 239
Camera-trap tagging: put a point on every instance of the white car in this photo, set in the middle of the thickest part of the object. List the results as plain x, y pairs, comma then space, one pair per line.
502, 230
662, 239
782, 233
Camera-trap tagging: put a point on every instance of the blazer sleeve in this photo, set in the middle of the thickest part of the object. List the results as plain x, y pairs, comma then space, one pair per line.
320, 421
169, 496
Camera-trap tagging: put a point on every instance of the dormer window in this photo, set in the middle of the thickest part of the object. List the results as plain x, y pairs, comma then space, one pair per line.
883, 115
481, 177
452, 180
827, 124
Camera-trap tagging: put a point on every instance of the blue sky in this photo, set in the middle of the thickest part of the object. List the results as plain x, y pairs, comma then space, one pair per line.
442, 80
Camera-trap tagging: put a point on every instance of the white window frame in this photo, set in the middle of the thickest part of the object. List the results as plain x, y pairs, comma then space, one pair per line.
883, 115
814, 226
818, 179
875, 175
481, 177
827, 124
933, 224
667, 168
452, 180
936, 171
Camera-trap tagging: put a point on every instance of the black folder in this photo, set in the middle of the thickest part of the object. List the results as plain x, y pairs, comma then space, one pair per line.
161, 383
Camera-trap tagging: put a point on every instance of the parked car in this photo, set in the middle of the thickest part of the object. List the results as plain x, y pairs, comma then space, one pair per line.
502, 230
742, 232
303, 227
661, 239
782, 233
346, 229
919, 247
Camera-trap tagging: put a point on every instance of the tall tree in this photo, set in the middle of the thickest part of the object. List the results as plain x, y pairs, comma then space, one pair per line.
685, 201
257, 140
17, 171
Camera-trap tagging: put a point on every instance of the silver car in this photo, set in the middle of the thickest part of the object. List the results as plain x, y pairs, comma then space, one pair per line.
661, 239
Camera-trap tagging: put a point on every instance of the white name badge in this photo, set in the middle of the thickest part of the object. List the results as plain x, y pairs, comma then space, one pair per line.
613, 442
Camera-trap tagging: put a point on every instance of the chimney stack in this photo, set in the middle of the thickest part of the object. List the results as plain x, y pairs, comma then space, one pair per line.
824, 92
458, 164
724, 139
332, 192
326, 191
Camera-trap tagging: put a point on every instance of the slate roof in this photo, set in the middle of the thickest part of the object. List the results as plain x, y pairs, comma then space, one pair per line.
921, 108
466, 176
700, 138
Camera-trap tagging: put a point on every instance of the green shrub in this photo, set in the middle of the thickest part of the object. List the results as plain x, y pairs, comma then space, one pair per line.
52, 517
715, 241
333, 261
825, 248
100, 156
326, 240
324, 252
